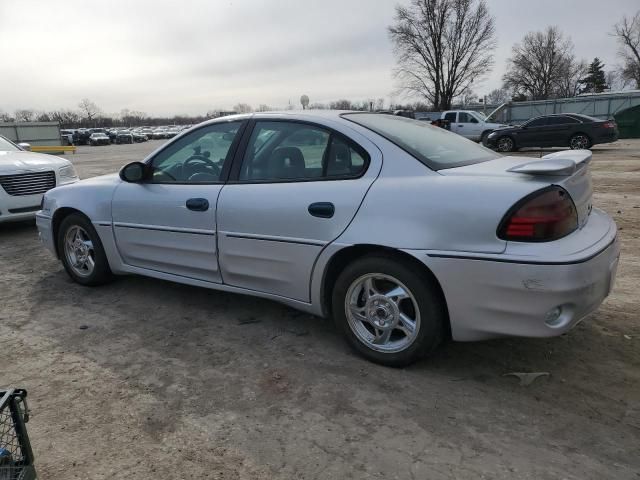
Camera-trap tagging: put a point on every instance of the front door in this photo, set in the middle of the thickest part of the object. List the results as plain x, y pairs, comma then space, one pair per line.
296, 190
168, 222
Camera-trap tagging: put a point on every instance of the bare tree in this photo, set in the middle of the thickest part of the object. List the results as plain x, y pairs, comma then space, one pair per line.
304, 101
538, 65
5, 117
24, 115
89, 110
628, 33
264, 108
242, 108
498, 96
571, 74
442, 48
318, 106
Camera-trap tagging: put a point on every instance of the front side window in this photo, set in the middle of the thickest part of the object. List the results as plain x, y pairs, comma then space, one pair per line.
282, 151
436, 147
197, 157
537, 122
451, 116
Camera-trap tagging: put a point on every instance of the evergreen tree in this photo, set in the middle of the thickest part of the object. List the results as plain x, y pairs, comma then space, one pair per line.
595, 81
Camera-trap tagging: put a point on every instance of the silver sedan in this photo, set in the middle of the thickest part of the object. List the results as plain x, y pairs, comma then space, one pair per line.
404, 233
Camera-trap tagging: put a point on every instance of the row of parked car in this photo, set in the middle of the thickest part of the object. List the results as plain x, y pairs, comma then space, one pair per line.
106, 136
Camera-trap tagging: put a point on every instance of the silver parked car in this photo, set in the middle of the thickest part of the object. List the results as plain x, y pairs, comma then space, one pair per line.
405, 233
25, 176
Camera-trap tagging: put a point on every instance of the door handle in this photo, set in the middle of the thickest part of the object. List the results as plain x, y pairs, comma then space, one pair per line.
198, 204
322, 209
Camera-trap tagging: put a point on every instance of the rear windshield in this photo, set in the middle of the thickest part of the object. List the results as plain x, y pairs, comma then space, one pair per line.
436, 147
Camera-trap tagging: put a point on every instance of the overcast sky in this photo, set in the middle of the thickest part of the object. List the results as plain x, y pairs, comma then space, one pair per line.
190, 56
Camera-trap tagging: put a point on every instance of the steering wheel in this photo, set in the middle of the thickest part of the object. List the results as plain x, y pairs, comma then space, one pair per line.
190, 165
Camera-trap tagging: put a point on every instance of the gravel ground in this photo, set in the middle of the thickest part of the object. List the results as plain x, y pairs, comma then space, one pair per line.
147, 379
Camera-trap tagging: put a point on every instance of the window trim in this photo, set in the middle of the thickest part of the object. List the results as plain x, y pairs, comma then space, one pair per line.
545, 117
226, 168
234, 176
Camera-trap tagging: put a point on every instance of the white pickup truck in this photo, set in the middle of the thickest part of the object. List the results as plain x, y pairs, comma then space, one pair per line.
469, 124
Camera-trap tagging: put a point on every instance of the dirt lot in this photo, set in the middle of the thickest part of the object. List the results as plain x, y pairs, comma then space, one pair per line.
170, 381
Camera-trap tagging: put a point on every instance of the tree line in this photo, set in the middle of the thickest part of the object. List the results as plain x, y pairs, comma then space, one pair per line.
444, 47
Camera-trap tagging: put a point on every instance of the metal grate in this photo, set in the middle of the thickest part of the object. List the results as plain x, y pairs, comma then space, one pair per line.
28, 184
16, 458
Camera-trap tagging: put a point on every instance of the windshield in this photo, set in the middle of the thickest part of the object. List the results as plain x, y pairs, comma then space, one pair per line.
7, 146
436, 147
479, 115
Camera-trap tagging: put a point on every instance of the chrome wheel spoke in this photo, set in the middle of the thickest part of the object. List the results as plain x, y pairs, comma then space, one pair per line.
382, 337
369, 288
90, 264
397, 294
78, 250
407, 325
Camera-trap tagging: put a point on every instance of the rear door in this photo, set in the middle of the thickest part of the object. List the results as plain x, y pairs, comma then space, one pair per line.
560, 129
294, 188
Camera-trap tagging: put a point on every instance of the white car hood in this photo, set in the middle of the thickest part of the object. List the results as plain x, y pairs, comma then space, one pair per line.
23, 162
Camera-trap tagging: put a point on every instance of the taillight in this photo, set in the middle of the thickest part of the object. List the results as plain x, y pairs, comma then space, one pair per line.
545, 215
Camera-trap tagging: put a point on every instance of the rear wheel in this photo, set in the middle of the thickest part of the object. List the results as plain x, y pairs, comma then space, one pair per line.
388, 312
81, 251
579, 142
505, 144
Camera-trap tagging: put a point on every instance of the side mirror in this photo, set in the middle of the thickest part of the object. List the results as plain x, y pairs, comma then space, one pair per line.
25, 146
133, 172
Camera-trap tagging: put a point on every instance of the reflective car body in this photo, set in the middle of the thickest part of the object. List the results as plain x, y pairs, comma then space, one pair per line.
25, 176
572, 130
283, 229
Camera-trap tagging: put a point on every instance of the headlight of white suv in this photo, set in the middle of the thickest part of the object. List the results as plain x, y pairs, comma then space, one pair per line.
68, 172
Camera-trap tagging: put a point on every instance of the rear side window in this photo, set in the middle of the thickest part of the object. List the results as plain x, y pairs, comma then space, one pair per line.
451, 116
561, 120
289, 151
436, 147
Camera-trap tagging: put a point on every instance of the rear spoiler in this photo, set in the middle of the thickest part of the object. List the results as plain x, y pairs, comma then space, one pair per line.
558, 163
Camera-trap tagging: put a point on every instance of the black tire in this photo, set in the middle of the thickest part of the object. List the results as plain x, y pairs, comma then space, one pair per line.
101, 273
505, 144
579, 141
432, 309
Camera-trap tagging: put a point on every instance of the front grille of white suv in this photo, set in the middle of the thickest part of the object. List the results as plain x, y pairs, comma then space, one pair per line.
28, 183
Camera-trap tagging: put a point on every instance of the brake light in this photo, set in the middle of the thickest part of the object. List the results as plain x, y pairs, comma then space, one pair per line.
609, 125
545, 215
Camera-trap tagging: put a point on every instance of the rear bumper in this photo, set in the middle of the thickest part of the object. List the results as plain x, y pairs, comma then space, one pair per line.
489, 298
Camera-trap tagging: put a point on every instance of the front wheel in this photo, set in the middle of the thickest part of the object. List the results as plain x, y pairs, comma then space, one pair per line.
389, 312
81, 251
505, 144
579, 142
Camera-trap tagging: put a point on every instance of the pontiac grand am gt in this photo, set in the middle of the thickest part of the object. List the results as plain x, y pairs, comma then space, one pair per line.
402, 232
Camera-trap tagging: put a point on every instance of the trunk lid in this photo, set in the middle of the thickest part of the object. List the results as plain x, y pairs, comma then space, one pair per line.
567, 169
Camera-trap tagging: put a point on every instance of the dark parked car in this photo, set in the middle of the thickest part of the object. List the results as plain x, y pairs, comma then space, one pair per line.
560, 130
124, 136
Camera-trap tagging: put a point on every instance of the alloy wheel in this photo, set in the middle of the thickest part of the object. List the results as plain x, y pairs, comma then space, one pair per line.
579, 142
78, 249
505, 144
382, 313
